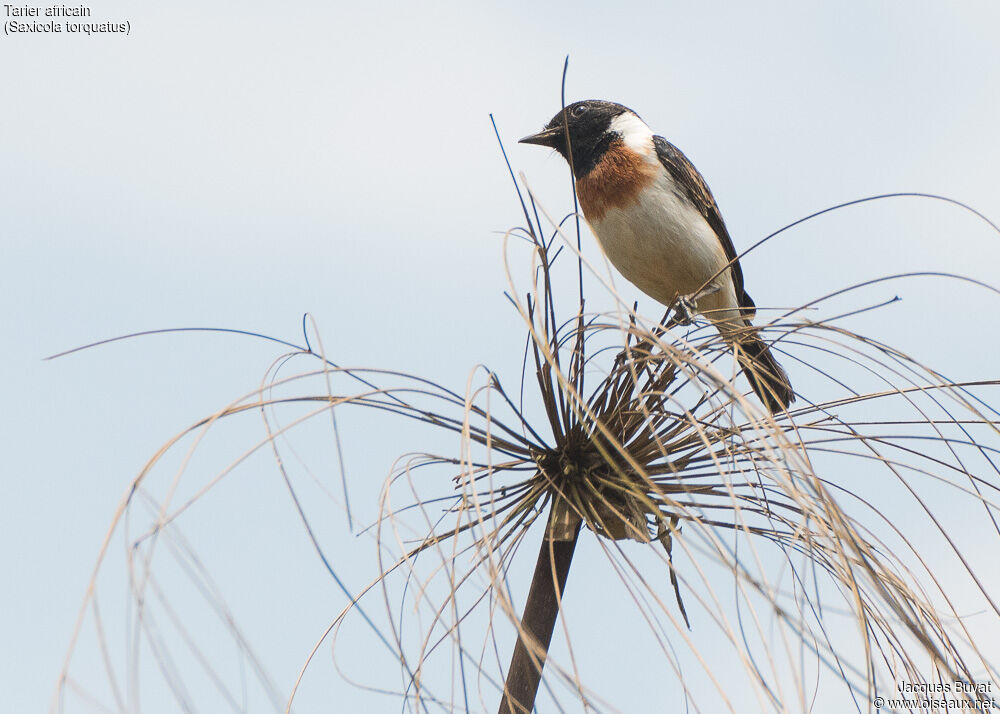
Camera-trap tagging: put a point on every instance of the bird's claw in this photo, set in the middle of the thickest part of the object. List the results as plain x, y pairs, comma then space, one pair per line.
684, 309
685, 306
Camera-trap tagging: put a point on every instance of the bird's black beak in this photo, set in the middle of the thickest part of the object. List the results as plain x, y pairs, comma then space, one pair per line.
547, 137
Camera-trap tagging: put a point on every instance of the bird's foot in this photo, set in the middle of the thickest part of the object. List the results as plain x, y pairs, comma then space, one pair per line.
685, 306
684, 309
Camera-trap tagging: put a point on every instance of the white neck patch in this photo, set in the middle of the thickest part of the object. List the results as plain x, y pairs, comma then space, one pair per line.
634, 132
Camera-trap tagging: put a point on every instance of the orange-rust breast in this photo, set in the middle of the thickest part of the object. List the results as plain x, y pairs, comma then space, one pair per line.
615, 182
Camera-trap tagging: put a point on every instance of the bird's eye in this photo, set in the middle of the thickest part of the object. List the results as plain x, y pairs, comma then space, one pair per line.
578, 110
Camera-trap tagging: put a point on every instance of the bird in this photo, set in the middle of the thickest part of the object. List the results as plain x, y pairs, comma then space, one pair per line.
660, 226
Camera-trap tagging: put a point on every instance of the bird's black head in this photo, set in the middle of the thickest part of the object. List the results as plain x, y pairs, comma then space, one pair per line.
590, 134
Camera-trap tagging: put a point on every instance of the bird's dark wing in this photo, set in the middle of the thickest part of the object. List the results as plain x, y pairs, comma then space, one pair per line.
696, 190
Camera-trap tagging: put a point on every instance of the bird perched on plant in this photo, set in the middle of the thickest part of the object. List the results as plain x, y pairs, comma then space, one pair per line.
658, 223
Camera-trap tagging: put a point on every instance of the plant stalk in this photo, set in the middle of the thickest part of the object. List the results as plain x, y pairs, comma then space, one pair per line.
537, 622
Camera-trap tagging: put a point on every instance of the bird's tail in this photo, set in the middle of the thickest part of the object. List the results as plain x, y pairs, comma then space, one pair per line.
768, 379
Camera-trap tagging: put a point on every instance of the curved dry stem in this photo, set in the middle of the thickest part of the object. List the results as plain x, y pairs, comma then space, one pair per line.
758, 560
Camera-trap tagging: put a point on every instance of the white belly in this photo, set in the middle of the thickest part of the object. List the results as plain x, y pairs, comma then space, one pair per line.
666, 248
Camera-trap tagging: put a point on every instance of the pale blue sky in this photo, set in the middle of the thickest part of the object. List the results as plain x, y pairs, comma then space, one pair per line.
241, 164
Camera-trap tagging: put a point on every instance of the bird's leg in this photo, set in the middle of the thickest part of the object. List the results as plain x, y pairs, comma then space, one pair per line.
685, 306
684, 309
